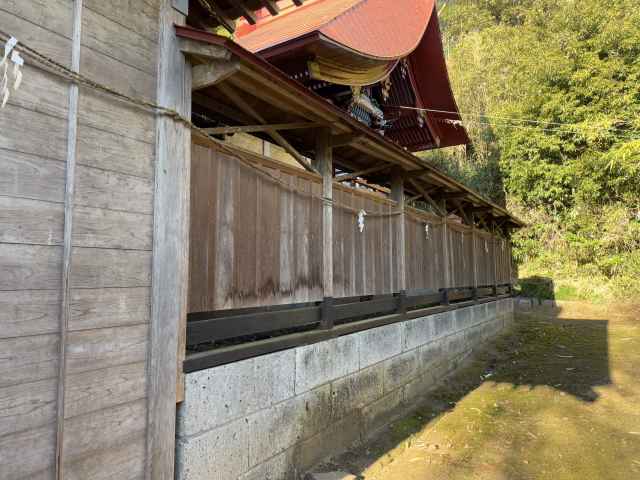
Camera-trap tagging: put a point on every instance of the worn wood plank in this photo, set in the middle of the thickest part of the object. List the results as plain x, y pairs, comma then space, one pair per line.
97, 227
119, 76
29, 96
140, 17
29, 454
27, 29
90, 350
99, 268
26, 267
29, 312
170, 249
28, 359
22, 132
109, 151
87, 392
112, 190
27, 406
30, 221
109, 307
124, 461
95, 433
28, 176
104, 112
127, 46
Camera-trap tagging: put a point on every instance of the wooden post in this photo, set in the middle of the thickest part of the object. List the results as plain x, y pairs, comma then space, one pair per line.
397, 195
445, 248
323, 163
473, 259
495, 262
170, 262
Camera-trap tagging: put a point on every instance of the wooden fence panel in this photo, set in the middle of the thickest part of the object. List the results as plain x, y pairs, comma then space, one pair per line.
254, 240
424, 257
361, 259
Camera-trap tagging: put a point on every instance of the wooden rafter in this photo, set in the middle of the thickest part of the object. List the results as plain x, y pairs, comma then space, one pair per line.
260, 128
298, 2
212, 7
427, 197
412, 199
351, 176
345, 139
449, 195
232, 95
247, 13
271, 6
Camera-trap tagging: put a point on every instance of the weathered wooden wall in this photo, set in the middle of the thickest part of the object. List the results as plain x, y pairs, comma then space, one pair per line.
254, 241
424, 253
74, 308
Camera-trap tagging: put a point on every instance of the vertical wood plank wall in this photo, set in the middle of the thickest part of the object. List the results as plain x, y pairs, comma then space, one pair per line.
104, 386
255, 242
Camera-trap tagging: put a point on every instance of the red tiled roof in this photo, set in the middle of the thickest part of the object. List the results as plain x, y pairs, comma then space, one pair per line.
381, 29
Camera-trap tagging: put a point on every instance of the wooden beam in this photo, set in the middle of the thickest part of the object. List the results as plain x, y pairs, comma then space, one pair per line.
449, 195
412, 199
217, 107
249, 110
345, 139
260, 128
445, 251
170, 258
218, 14
203, 51
247, 13
417, 173
212, 72
298, 2
397, 194
351, 176
271, 6
427, 197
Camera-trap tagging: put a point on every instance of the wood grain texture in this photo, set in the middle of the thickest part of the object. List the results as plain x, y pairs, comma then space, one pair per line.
90, 391
97, 227
109, 307
24, 17
27, 406
29, 176
55, 103
115, 191
31, 221
90, 350
30, 267
29, 312
29, 454
100, 268
109, 151
28, 359
22, 129
170, 249
140, 17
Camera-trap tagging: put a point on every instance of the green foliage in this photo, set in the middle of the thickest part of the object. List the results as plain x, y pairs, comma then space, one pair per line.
550, 94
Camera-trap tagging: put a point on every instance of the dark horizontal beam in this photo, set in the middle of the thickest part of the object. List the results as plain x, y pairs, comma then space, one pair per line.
233, 353
260, 128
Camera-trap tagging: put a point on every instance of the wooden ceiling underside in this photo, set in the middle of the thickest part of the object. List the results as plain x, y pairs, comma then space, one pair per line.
214, 13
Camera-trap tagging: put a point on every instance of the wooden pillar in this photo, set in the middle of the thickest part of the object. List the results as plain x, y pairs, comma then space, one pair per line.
170, 263
474, 262
323, 163
495, 259
397, 195
445, 248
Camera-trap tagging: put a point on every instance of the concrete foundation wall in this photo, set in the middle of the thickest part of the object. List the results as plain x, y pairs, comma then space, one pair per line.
275, 416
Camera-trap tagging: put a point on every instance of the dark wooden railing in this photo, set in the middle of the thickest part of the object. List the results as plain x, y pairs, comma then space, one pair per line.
216, 338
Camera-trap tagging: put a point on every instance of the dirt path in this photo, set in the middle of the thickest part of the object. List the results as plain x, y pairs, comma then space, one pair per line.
558, 398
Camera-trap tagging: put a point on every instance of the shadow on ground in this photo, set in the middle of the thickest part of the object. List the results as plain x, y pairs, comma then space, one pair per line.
540, 402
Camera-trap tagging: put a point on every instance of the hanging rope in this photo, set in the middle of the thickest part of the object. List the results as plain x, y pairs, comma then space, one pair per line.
51, 66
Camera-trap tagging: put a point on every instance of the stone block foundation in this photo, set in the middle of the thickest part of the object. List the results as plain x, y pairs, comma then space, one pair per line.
275, 416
